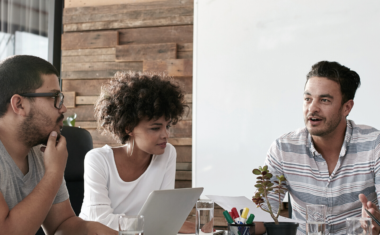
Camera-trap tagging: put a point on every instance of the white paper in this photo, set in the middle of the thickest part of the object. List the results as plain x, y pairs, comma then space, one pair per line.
227, 203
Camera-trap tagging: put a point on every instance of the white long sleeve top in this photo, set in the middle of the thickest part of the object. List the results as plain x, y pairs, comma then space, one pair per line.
107, 196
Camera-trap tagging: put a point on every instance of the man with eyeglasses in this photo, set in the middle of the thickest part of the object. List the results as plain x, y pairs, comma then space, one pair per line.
32, 188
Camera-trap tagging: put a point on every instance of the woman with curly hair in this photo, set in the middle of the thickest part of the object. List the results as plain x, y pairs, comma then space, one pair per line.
137, 110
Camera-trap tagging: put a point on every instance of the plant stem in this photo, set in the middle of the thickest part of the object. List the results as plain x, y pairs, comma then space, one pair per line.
269, 207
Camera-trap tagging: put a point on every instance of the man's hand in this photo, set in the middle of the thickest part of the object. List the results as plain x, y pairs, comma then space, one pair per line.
95, 228
372, 208
55, 156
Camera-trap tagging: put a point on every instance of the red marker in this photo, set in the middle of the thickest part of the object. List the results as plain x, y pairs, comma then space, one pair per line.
235, 215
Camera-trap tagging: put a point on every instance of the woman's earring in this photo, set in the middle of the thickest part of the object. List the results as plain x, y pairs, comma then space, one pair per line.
133, 146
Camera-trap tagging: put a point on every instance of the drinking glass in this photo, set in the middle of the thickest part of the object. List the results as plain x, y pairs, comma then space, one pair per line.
131, 225
204, 218
316, 219
358, 226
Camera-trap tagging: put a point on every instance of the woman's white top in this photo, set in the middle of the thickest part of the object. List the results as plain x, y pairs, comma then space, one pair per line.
106, 195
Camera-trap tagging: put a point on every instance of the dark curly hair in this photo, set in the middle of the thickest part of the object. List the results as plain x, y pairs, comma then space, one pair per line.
129, 97
348, 79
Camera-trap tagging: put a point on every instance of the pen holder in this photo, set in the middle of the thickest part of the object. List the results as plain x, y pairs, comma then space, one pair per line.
241, 229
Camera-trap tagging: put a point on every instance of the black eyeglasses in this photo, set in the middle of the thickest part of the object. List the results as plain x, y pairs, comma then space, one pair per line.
58, 97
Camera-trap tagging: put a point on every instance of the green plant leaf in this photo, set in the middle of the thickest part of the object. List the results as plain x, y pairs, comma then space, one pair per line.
265, 168
260, 168
268, 176
259, 182
256, 172
258, 185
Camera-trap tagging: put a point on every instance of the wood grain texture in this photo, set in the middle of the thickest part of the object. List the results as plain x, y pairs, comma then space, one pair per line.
86, 99
125, 6
89, 40
171, 34
188, 55
84, 87
85, 3
141, 52
175, 68
181, 130
87, 58
132, 15
69, 100
182, 184
180, 141
84, 113
119, 24
90, 66
183, 153
89, 52
86, 125
183, 166
91, 74
183, 175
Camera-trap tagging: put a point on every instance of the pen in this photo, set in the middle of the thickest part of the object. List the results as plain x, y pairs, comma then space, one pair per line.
373, 217
228, 217
241, 211
250, 219
244, 215
235, 215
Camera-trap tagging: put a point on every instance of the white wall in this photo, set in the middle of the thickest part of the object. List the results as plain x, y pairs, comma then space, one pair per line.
251, 58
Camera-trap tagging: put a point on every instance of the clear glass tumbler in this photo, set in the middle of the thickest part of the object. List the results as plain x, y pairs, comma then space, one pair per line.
204, 218
358, 226
131, 225
316, 219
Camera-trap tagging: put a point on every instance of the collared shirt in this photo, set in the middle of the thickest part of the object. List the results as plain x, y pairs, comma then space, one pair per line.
357, 171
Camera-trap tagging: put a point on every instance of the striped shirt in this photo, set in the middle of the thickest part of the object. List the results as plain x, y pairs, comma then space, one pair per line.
357, 171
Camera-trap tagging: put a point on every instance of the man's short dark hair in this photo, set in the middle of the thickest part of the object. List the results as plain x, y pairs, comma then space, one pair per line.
21, 74
348, 79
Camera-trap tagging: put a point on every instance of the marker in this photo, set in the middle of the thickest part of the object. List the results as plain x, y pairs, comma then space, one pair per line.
231, 214
244, 215
228, 217
241, 211
230, 221
250, 219
235, 215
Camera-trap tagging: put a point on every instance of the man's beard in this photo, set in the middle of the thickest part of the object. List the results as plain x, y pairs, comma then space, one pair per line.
330, 125
31, 131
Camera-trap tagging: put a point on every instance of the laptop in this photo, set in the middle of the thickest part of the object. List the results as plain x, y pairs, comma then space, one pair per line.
166, 210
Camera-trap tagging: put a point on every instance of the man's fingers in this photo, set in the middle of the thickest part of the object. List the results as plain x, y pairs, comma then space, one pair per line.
52, 139
61, 141
363, 200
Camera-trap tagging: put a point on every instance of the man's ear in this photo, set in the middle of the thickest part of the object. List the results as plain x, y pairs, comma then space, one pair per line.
347, 107
19, 105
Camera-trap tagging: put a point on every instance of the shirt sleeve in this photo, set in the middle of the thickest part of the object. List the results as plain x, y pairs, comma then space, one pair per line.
377, 167
97, 204
273, 161
62, 194
169, 177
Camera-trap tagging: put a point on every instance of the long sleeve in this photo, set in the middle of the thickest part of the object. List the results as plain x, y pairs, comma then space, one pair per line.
97, 204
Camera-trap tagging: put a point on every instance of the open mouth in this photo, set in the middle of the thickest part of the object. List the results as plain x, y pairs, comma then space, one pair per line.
315, 120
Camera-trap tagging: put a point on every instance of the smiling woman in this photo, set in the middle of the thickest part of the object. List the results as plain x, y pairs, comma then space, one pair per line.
137, 110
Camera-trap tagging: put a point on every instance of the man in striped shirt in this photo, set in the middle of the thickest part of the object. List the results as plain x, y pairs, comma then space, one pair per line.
332, 160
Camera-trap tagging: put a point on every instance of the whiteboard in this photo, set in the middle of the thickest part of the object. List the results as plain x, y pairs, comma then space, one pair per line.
251, 58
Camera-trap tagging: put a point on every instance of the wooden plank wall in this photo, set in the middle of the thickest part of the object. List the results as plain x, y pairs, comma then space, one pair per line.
138, 35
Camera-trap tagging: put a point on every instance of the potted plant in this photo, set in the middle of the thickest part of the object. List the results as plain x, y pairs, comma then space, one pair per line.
265, 186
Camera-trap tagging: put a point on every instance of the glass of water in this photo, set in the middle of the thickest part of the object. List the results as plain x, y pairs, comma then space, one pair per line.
131, 225
316, 219
359, 226
204, 218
